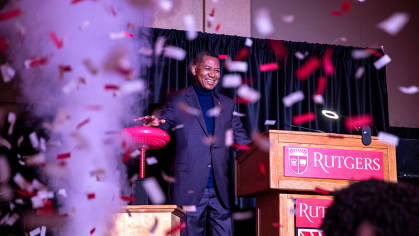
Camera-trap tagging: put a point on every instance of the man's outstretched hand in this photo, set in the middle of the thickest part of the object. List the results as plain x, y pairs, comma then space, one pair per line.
150, 121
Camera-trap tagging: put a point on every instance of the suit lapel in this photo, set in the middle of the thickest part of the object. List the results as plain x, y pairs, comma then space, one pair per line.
217, 119
193, 102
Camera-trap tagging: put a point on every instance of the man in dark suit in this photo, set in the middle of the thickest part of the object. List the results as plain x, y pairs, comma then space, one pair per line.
201, 166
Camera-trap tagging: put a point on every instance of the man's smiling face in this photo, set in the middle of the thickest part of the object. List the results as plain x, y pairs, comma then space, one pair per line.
207, 73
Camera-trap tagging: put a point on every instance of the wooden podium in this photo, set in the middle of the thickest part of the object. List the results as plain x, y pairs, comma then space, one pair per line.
275, 192
139, 219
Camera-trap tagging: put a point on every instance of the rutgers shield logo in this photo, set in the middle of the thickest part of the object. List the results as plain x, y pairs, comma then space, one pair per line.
298, 160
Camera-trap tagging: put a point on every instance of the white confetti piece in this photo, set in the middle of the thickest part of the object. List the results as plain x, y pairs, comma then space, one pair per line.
359, 72
20, 201
84, 25
154, 191
235, 113
146, 51
263, 22
158, 47
287, 18
238, 216
175, 53
380, 63
214, 112
36, 159
343, 39
270, 122
318, 99
135, 153
394, 23
248, 93
388, 138
19, 141
34, 140
5, 171
54, 144
97, 172
7, 72
167, 178
359, 54
232, 80
43, 144
70, 86
20, 181
165, 5
189, 22
4, 142
12, 206
35, 231
191, 208
240, 66
151, 161
177, 127
12, 219
189, 110
38, 185
118, 35
133, 178
62, 192
130, 87
43, 230
229, 138
37, 202
410, 90
299, 55
45, 194
293, 98
248, 42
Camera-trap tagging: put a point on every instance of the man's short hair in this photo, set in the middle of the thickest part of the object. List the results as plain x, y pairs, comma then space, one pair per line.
382, 208
200, 57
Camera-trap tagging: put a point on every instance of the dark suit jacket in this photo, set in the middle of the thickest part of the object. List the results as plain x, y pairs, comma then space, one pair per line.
193, 157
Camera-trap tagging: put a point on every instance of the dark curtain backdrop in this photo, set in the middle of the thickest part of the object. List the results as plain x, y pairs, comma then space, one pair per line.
344, 94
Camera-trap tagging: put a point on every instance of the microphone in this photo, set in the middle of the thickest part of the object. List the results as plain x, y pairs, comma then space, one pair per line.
294, 126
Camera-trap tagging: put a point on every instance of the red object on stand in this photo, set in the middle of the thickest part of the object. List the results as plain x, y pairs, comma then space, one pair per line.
147, 138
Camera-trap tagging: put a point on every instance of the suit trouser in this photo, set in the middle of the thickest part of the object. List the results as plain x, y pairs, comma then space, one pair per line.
209, 219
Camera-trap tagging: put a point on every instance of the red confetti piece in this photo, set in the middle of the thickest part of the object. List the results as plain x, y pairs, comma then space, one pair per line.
242, 54
92, 107
62, 164
91, 196
180, 227
336, 13
262, 168
268, 66
63, 156
355, 122
111, 87
130, 25
308, 68
241, 100
9, 14
304, 118
321, 85
278, 48
373, 52
212, 12
62, 216
346, 6
92, 230
113, 11
77, 1
56, 40
129, 35
128, 198
3, 45
217, 28
126, 156
221, 57
327, 62
46, 211
82, 123
321, 191
241, 147
36, 62
24, 193
275, 224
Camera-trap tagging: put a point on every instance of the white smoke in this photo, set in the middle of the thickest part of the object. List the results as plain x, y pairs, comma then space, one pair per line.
78, 110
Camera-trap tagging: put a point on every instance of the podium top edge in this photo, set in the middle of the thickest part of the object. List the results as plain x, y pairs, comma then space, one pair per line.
176, 210
274, 131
